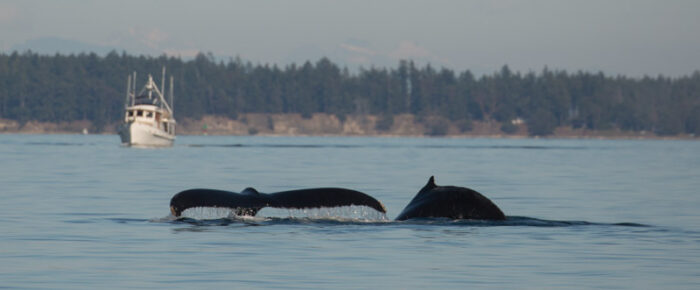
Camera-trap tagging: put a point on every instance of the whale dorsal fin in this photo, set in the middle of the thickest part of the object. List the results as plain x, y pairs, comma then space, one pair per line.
250, 191
429, 186
431, 182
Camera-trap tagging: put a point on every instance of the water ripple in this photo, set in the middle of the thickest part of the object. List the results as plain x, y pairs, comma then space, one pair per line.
514, 221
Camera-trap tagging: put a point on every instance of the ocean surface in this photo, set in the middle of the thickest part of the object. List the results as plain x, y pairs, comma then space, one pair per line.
83, 212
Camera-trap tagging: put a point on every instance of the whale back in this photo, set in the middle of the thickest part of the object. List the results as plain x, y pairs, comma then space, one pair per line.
453, 202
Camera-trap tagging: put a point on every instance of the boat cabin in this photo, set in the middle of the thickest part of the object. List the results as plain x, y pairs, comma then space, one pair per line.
149, 115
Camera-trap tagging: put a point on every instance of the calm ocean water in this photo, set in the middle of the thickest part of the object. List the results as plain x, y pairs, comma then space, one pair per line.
81, 212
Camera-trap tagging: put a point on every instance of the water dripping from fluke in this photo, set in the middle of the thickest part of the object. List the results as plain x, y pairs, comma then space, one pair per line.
350, 214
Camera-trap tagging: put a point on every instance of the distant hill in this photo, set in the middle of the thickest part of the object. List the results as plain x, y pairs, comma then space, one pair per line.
53, 45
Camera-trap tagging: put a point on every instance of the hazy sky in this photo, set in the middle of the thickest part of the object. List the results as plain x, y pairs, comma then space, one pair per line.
631, 37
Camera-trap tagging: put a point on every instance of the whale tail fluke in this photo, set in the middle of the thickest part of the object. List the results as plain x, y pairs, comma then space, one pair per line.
192, 198
324, 197
250, 191
250, 201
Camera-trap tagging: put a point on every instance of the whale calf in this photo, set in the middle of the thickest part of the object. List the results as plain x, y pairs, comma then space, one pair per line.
250, 201
454, 202
432, 201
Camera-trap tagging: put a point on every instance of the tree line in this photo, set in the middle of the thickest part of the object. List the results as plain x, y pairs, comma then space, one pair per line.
55, 88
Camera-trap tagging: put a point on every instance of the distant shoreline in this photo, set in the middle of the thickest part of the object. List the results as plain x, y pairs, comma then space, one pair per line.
331, 125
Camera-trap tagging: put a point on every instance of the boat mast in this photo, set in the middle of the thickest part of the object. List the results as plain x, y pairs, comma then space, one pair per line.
128, 91
133, 91
172, 105
149, 89
150, 86
162, 83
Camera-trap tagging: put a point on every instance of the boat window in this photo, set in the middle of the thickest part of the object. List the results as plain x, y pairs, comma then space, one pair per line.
149, 114
165, 126
139, 113
130, 113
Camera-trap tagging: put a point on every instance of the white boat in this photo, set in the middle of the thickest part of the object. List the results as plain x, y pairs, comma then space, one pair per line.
148, 118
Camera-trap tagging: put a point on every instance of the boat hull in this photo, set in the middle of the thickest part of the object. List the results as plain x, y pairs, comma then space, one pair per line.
143, 135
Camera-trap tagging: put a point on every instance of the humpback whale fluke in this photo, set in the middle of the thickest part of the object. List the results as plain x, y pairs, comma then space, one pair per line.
450, 202
250, 201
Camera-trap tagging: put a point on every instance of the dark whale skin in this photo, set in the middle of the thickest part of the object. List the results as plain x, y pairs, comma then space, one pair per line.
432, 201
250, 201
452, 202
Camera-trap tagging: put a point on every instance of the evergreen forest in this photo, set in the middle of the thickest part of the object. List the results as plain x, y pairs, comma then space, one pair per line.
57, 88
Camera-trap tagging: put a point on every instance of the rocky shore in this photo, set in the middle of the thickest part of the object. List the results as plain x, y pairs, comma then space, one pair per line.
331, 125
